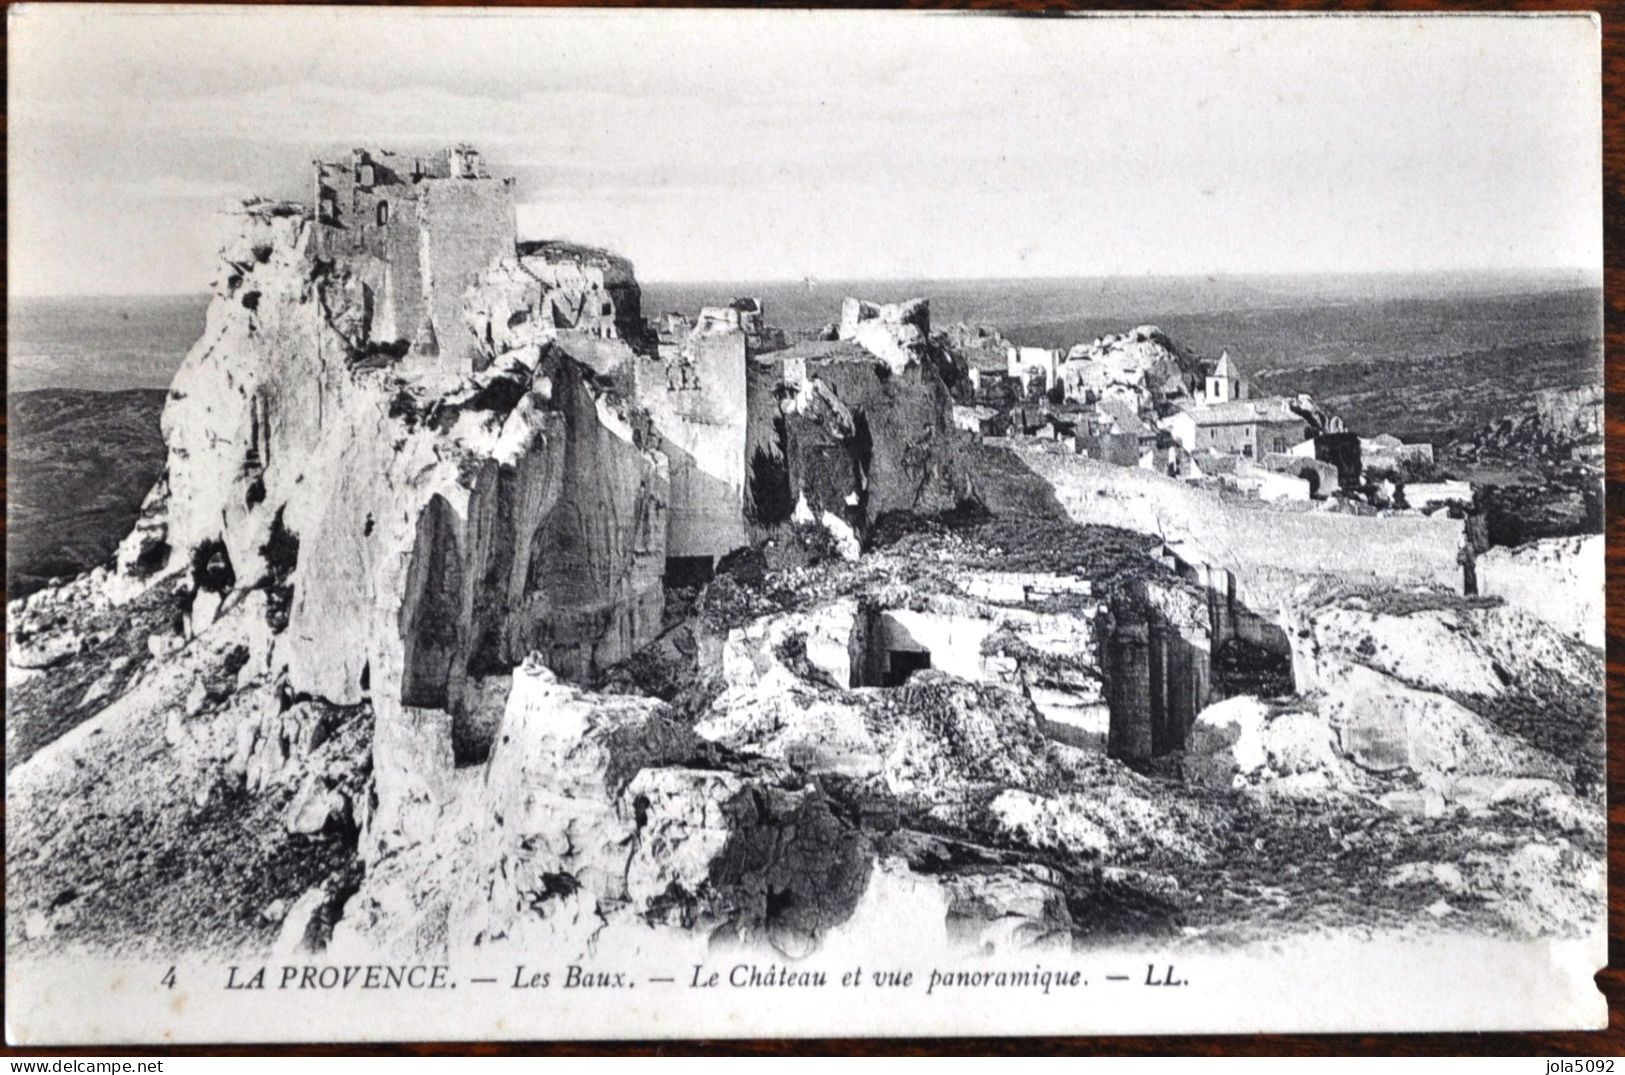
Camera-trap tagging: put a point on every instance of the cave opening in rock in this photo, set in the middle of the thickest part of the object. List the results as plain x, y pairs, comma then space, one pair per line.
902, 663
689, 572
889, 645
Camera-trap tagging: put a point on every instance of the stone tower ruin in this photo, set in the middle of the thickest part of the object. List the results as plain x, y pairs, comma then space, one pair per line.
416, 232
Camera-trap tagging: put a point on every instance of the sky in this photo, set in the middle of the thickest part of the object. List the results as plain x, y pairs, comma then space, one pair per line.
776, 145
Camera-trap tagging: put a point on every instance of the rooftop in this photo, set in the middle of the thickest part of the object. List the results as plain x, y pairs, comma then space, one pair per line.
1243, 411
1227, 367
1125, 416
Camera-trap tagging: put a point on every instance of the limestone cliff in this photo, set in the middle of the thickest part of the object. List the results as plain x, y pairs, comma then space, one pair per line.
387, 663
843, 432
419, 529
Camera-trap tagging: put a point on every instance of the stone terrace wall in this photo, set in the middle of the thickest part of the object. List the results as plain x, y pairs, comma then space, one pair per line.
1270, 551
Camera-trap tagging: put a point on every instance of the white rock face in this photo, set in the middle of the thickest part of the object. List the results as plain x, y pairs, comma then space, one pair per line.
895, 333
1488, 652
1141, 365
829, 639
1559, 580
1421, 701
419, 530
1241, 741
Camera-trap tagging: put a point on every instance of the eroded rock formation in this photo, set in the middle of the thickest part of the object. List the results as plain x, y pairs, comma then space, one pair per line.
843, 432
389, 666
421, 529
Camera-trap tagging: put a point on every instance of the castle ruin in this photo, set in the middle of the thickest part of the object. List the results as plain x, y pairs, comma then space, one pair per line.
416, 231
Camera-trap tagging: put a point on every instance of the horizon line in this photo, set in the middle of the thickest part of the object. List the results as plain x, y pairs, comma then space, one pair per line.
1525, 271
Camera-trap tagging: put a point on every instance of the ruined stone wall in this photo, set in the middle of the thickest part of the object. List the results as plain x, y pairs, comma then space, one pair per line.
552, 289
468, 225
899, 452
1326, 478
384, 292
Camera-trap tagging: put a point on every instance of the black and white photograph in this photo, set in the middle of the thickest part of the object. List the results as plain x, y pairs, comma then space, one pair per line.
585, 524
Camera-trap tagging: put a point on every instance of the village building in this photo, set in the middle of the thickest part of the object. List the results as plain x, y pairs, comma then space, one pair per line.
1033, 365
1341, 449
1225, 383
1251, 428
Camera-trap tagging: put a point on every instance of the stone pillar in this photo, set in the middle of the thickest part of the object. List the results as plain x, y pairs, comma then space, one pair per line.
1128, 692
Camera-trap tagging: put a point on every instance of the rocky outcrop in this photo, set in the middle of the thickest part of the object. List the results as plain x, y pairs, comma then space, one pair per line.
418, 534
598, 818
1144, 362
1558, 580
895, 333
839, 437
1557, 424
1422, 701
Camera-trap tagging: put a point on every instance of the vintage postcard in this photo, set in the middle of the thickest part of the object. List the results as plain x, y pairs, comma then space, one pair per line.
640, 524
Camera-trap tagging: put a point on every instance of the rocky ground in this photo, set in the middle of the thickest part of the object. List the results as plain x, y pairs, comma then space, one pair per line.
164, 822
737, 777
387, 666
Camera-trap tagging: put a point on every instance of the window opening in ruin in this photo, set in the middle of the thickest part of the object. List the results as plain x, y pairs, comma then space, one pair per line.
689, 571
902, 663
383, 213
